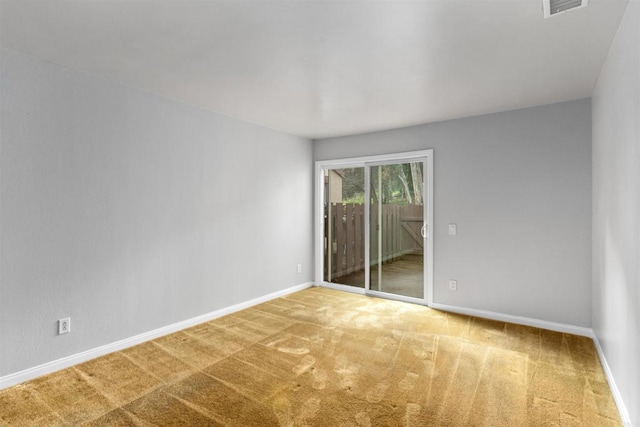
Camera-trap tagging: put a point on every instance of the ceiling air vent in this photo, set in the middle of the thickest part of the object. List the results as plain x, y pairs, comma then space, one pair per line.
557, 7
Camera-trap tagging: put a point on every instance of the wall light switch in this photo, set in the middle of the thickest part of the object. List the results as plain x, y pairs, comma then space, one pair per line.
453, 229
299, 268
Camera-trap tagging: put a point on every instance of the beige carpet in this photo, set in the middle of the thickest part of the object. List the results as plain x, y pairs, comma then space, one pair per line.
326, 358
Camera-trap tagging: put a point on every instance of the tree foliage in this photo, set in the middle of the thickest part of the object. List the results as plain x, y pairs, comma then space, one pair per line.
402, 184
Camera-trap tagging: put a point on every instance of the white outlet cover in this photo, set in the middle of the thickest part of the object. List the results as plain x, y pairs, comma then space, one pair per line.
64, 326
453, 285
453, 229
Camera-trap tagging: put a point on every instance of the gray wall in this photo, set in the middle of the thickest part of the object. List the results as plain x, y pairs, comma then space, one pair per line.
128, 211
518, 185
616, 210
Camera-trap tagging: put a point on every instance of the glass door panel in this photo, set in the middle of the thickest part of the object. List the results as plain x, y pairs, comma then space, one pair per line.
344, 260
396, 222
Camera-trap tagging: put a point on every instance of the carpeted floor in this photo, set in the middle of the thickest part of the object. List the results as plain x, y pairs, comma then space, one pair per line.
326, 358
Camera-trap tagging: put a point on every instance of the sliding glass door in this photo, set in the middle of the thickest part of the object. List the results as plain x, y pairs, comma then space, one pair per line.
397, 229
343, 211
374, 222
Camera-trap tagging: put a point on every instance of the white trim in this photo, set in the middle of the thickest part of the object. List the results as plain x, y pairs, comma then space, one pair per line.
395, 297
617, 397
509, 318
353, 161
344, 288
319, 222
74, 359
430, 199
367, 227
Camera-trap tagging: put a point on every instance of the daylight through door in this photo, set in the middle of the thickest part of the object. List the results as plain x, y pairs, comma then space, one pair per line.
375, 227
397, 229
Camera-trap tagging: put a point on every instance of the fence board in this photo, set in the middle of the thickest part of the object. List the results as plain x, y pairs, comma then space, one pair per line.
350, 238
400, 233
397, 249
358, 237
373, 237
340, 239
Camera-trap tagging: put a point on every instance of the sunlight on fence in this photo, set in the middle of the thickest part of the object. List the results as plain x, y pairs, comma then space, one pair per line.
344, 236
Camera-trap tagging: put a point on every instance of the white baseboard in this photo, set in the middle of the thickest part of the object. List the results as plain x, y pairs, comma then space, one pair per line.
617, 397
65, 362
527, 321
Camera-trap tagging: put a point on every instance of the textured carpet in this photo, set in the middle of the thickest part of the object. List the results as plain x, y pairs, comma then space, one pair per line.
326, 358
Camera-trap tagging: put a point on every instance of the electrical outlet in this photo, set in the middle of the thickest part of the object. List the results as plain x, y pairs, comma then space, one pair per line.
299, 268
453, 285
64, 326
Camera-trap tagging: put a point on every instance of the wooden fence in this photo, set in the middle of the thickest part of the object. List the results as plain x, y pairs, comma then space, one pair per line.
344, 235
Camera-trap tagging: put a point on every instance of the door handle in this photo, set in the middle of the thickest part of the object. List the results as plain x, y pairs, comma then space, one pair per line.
423, 231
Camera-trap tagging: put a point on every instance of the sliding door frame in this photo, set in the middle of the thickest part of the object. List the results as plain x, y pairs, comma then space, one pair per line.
366, 162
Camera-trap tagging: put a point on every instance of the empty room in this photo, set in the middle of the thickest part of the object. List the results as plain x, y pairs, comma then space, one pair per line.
320, 212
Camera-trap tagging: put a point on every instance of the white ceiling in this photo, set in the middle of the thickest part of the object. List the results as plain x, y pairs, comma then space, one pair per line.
326, 68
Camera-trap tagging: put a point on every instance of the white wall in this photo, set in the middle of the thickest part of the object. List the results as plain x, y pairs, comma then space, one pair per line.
518, 185
128, 211
616, 210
